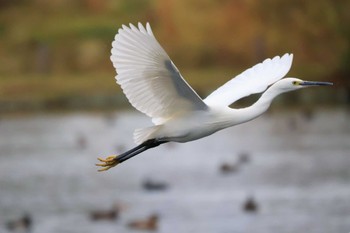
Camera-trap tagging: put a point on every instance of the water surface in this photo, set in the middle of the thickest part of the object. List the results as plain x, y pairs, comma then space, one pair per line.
298, 173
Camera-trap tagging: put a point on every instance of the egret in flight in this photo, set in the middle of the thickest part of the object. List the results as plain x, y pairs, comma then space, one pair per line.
154, 86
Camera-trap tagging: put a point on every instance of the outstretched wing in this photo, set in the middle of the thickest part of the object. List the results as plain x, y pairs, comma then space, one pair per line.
254, 80
148, 77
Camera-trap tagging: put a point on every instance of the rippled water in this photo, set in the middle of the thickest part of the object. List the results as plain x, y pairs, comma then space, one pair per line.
298, 172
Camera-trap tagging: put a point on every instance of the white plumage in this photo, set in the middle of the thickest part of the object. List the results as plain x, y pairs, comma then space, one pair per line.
154, 86
259, 77
148, 77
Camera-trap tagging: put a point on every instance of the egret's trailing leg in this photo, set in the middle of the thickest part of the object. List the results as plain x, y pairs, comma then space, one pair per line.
114, 160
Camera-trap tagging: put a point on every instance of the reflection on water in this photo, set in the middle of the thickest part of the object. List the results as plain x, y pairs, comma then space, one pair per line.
295, 167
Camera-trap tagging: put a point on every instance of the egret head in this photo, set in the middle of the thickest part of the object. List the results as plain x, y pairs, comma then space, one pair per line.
291, 84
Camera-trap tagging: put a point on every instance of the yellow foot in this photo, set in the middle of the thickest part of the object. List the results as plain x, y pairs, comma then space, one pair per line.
107, 163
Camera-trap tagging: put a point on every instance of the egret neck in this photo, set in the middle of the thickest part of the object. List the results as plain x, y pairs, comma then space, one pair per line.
259, 107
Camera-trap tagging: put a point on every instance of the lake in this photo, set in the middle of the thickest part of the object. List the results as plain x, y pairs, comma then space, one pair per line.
295, 165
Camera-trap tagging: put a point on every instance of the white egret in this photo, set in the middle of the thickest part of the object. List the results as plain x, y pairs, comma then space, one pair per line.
155, 87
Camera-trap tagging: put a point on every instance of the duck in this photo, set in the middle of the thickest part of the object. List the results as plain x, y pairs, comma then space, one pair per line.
150, 223
227, 168
152, 185
108, 215
250, 205
23, 224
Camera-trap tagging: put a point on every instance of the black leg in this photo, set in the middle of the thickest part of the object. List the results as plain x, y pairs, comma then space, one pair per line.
112, 161
131, 153
139, 149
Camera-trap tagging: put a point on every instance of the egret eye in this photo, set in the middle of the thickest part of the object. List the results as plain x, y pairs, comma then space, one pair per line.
295, 83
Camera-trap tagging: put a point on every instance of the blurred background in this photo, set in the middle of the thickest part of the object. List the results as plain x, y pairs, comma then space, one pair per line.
55, 54
60, 109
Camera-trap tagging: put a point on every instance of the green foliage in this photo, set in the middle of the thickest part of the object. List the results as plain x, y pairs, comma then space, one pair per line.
63, 38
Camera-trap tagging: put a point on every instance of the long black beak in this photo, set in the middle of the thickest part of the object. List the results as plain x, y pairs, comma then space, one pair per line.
309, 83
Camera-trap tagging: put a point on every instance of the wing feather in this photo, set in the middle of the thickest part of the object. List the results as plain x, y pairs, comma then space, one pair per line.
253, 80
149, 79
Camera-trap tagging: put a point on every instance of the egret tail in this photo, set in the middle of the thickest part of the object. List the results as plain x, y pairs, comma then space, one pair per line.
114, 160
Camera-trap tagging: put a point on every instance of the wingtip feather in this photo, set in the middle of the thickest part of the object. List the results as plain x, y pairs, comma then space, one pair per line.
132, 27
142, 28
149, 29
287, 59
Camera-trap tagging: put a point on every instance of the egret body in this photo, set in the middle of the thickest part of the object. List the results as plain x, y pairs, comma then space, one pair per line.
154, 86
